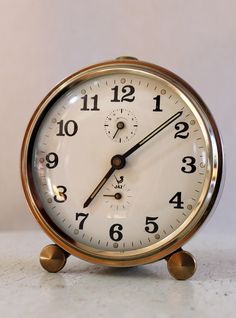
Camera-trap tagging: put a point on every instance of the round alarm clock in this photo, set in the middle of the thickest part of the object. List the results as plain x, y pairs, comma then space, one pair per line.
121, 164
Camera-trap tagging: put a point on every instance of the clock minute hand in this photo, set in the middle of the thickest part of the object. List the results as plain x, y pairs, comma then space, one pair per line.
152, 134
118, 161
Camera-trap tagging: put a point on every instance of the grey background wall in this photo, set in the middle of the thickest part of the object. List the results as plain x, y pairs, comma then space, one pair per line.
44, 41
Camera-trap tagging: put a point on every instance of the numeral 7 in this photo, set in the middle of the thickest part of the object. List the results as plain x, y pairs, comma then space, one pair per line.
83, 217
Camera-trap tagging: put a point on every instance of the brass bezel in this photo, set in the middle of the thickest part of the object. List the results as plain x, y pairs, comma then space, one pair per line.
147, 255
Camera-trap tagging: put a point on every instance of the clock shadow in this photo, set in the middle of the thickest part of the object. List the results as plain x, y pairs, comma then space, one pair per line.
212, 264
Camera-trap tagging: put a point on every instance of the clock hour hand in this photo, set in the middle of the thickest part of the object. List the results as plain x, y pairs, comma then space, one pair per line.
117, 163
152, 134
99, 186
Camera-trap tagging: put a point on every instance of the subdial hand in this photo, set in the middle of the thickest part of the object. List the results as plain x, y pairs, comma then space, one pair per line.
120, 125
117, 195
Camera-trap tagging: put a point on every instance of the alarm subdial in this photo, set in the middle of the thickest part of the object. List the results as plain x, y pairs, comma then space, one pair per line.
120, 125
118, 196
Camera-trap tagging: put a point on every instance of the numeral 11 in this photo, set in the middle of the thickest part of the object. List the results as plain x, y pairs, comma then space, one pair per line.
85, 103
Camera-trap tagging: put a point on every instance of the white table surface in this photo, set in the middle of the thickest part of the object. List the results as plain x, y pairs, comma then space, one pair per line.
86, 290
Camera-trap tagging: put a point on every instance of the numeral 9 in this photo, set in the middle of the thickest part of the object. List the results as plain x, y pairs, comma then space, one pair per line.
52, 160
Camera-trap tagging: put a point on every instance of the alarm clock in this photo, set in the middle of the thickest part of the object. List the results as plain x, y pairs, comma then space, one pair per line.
121, 164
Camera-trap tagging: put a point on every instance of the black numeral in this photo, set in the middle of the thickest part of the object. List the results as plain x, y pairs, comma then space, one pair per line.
152, 227
177, 201
190, 162
85, 103
83, 218
115, 232
52, 160
70, 128
61, 196
157, 106
182, 127
127, 90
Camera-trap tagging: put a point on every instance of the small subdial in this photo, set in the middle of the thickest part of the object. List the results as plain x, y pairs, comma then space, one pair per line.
121, 125
117, 195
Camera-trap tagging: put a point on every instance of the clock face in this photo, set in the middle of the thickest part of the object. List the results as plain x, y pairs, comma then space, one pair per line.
156, 193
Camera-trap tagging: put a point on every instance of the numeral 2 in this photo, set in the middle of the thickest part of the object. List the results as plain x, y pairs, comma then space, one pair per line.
182, 127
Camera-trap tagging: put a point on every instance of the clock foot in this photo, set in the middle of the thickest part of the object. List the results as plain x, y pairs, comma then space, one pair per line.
53, 258
181, 264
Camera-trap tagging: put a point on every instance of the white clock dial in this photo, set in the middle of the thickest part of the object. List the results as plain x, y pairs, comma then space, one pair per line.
163, 183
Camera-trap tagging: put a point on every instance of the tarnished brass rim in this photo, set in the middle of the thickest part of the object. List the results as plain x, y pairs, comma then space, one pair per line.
144, 255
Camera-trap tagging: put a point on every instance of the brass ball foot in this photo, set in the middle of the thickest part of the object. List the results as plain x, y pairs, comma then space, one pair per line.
181, 265
53, 258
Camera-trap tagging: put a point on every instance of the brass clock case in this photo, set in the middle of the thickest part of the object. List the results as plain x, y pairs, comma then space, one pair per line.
179, 237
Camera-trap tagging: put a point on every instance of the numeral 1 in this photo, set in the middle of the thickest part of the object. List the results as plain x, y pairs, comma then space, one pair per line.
157, 106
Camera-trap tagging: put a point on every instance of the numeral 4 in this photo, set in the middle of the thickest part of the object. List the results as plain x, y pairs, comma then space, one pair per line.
177, 201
